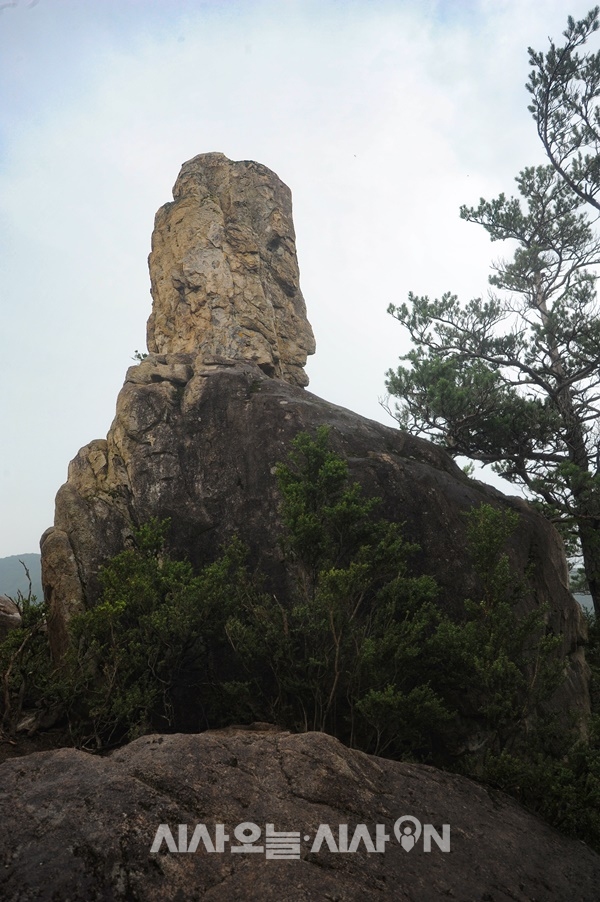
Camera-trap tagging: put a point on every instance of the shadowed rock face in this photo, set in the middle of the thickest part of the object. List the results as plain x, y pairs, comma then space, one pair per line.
199, 443
81, 827
224, 271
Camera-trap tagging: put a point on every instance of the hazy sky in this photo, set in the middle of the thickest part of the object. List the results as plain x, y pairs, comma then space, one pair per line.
382, 116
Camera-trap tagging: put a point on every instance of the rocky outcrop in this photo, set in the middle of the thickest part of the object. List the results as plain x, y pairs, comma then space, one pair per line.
82, 827
10, 616
224, 271
199, 443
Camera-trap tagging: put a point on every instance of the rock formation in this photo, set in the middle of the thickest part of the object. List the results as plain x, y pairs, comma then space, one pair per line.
196, 436
10, 616
224, 271
199, 442
82, 827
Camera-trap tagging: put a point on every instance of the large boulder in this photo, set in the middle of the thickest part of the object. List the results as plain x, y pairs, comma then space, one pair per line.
199, 443
224, 271
82, 827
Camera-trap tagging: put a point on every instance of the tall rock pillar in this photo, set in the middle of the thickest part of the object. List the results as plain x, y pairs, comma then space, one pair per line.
224, 272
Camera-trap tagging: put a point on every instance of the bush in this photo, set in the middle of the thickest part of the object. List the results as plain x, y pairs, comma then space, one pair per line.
537, 757
149, 656
360, 649
363, 650
347, 653
26, 679
509, 661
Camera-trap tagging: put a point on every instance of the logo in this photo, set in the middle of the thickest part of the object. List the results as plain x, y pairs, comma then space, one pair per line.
248, 838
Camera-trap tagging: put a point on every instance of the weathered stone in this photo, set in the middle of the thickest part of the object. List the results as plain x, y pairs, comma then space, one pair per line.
63, 589
151, 370
224, 271
204, 454
10, 616
82, 827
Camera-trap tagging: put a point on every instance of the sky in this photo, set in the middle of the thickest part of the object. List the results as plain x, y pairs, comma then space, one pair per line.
382, 116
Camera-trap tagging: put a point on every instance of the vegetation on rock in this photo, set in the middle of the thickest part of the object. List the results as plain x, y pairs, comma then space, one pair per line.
26, 677
360, 649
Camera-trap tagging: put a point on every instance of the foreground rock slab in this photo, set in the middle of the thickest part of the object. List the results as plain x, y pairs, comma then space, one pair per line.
79, 827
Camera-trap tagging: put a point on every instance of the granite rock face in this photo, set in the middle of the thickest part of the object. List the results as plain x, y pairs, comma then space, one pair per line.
82, 827
199, 443
10, 616
224, 271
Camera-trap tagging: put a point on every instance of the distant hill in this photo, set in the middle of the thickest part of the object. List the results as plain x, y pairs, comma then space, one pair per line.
13, 578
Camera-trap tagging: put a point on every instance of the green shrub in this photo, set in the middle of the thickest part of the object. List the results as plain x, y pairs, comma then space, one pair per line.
509, 659
148, 656
537, 757
360, 648
25, 668
347, 652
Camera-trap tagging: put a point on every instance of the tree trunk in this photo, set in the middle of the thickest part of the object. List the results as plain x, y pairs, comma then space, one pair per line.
588, 525
589, 536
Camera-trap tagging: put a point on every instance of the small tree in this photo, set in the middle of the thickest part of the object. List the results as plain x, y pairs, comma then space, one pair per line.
515, 668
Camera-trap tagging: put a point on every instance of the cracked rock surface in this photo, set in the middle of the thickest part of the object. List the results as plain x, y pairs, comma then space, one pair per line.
224, 271
79, 827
